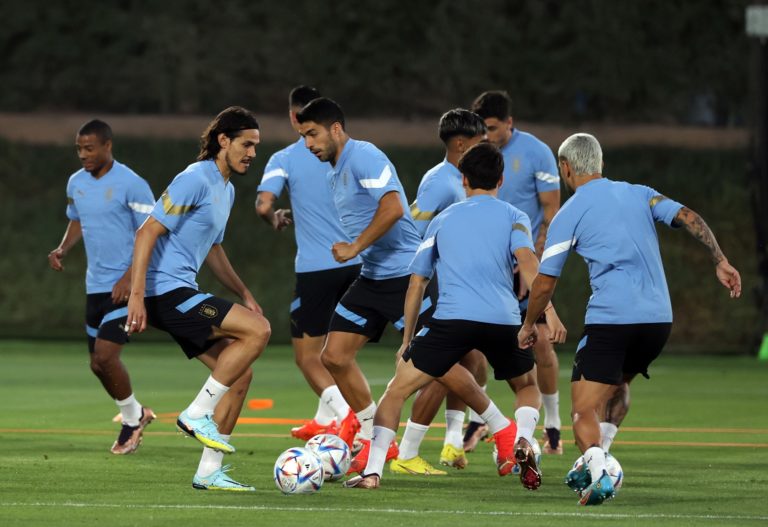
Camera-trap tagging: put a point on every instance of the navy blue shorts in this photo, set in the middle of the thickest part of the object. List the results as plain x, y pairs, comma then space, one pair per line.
608, 352
189, 316
105, 320
315, 298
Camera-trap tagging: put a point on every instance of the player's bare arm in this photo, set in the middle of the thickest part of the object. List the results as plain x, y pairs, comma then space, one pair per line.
528, 264
122, 288
389, 211
550, 204
218, 262
413, 299
265, 207
146, 238
72, 235
698, 228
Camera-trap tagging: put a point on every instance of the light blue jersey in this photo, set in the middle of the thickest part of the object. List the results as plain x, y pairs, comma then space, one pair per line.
109, 210
529, 168
471, 246
359, 180
317, 223
194, 208
440, 188
611, 225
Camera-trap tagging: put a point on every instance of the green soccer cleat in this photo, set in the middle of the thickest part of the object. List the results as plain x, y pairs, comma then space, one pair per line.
219, 480
204, 430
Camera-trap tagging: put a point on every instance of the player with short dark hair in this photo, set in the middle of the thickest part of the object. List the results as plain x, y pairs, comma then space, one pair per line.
611, 224
532, 185
320, 280
185, 228
106, 203
476, 309
441, 187
372, 208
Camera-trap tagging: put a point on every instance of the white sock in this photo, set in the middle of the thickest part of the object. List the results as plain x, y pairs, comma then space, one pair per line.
382, 437
474, 416
493, 417
324, 415
551, 410
207, 399
526, 418
454, 420
130, 409
608, 433
365, 416
412, 438
333, 399
595, 458
211, 460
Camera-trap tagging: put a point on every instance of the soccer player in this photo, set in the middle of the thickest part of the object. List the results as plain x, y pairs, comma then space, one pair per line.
531, 184
372, 207
441, 186
106, 203
320, 280
185, 228
473, 246
629, 315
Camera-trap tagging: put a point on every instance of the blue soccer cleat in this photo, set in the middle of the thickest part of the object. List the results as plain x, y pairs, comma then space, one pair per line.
219, 480
204, 430
578, 478
599, 491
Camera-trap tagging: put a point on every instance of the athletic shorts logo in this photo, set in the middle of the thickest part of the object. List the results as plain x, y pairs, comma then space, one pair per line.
208, 311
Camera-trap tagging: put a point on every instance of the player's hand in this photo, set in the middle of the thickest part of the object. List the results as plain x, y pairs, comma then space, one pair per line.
729, 277
527, 336
281, 219
122, 289
55, 257
137, 314
557, 331
344, 251
250, 303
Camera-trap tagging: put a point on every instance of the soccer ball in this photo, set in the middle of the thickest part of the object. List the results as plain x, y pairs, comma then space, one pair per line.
516, 469
612, 467
298, 471
333, 452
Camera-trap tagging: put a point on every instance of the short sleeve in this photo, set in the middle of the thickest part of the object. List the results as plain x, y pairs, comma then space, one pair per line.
433, 197
547, 178
376, 175
72, 213
179, 199
139, 200
275, 176
663, 209
220, 238
424, 261
560, 239
520, 235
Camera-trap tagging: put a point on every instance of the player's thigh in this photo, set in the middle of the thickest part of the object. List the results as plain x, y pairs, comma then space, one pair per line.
407, 380
242, 323
589, 395
342, 347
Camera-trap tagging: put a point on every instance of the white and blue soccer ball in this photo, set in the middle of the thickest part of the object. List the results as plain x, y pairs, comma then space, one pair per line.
333, 452
298, 471
612, 467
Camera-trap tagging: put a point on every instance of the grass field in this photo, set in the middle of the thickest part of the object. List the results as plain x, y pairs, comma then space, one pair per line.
694, 451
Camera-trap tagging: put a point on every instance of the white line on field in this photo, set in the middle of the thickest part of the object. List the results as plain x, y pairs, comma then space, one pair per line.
385, 511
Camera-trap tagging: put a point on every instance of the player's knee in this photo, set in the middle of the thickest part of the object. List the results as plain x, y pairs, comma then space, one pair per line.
546, 358
334, 359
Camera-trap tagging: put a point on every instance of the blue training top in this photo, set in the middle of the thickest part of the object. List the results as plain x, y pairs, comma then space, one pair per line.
471, 245
109, 209
611, 225
194, 208
440, 188
317, 223
359, 180
529, 168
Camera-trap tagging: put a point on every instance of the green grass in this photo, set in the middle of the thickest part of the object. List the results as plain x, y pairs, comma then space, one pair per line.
55, 433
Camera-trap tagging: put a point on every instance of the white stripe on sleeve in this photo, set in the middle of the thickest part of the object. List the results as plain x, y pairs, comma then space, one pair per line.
547, 178
277, 172
142, 208
380, 181
556, 249
426, 244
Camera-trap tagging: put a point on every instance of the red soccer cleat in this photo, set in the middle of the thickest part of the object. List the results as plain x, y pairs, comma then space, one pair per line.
348, 428
505, 446
311, 428
361, 459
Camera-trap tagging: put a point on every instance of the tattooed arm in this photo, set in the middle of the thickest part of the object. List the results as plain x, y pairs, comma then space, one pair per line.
698, 228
